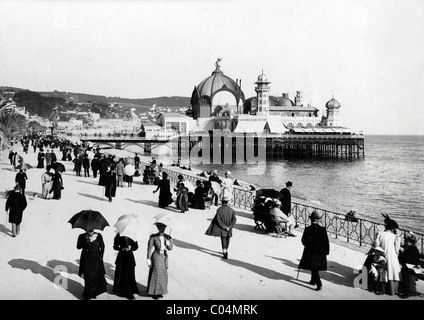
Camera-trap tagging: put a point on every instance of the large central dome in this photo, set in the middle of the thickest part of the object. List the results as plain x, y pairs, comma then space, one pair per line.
217, 82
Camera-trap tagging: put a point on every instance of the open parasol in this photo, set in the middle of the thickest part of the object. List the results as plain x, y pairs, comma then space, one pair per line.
189, 186
24, 166
88, 220
133, 226
216, 187
173, 221
58, 166
129, 170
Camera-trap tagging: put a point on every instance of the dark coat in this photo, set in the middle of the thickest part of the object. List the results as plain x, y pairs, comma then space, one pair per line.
317, 247
86, 163
286, 201
17, 203
21, 179
225, 217
78, 163
198, 200
124, 280
57, 185
110, 184
91, 265
165, 195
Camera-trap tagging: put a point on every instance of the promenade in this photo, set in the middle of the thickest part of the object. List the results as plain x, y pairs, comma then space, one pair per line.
260, 267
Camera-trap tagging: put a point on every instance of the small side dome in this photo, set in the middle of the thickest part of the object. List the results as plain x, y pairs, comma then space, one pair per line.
332, 104
262, 78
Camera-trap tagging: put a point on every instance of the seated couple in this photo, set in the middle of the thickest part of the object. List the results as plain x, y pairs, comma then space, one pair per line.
284, 223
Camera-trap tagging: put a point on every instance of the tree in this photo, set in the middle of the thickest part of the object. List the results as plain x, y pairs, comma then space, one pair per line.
11, 122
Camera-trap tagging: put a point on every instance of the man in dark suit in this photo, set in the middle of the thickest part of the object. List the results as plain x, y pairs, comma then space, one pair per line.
286, 200
317, 247
222, 225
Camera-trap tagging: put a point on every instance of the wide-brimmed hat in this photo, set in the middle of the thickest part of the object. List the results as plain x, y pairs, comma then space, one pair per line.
289, 184
378, 249
225, 198
158, 224
215, 171
390, 223
17, 187
314, 215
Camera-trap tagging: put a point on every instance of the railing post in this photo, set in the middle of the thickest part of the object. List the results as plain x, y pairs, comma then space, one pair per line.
336, 230
360, 232
347, 230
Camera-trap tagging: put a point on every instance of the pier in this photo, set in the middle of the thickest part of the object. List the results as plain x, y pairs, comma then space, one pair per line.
318, 146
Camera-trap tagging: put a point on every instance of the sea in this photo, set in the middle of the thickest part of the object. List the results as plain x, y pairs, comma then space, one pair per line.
389, 179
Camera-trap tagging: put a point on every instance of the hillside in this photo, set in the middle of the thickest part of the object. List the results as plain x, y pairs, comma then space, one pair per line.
173, 101
83, 97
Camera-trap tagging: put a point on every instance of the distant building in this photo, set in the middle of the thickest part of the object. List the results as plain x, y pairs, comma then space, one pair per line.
262, 113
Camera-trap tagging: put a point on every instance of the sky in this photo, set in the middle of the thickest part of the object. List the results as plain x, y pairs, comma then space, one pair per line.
368, 54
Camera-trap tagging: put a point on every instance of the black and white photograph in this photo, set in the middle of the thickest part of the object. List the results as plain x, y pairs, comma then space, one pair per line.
189, 151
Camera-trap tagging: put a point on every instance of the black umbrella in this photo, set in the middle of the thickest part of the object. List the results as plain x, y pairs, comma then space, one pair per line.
88, 220
269, 193
58, 166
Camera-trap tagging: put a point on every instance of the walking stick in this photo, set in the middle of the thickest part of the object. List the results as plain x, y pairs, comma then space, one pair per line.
298, 271
5, 225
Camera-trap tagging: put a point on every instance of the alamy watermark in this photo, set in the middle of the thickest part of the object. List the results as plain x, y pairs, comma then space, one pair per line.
195, 149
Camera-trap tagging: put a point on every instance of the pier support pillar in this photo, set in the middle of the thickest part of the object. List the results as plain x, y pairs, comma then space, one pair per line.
147, 147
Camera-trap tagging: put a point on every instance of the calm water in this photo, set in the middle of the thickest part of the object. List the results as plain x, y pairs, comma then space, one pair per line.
390, 179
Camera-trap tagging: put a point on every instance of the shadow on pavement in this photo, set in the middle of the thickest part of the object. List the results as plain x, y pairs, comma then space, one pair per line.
75, 288
93, 183
92, 197
336, 273
187, 245
267, 273
5, 230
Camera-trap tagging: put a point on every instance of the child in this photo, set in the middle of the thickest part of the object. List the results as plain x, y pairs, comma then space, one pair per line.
378, 267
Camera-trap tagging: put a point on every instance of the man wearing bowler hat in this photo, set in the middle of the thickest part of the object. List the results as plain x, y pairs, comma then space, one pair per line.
286, 200
317, 247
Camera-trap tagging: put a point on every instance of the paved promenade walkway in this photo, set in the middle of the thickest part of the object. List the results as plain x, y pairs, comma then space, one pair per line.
260, 267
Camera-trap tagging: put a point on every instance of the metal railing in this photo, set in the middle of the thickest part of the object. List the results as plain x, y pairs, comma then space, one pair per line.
362, 232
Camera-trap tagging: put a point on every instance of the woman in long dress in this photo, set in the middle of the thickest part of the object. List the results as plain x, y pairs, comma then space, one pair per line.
110, 183
40, 159
227, 186
124, 282
46, 182
390, 242
182, 198
157, 260
57, 185
165, 195
91, 264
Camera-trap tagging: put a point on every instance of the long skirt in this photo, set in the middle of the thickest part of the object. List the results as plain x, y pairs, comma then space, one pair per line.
94, 277
124, 282
47, 186
158, 275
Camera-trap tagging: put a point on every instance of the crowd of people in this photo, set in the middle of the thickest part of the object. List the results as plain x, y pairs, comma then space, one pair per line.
390, 262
